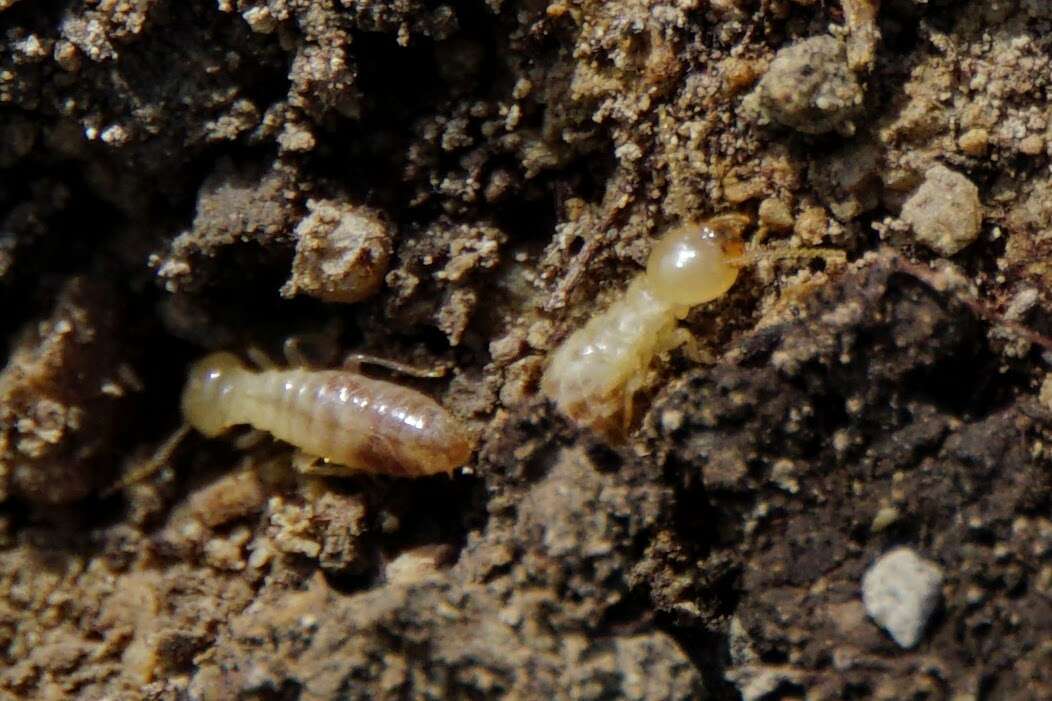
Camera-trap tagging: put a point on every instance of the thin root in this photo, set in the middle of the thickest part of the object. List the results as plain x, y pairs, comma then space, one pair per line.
931, 278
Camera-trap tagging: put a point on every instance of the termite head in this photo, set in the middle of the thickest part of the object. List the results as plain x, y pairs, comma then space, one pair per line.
697, 261
208, 381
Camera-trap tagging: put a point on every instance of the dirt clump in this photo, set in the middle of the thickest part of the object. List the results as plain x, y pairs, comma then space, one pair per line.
62, 395
884, 448
810, 87
341, 254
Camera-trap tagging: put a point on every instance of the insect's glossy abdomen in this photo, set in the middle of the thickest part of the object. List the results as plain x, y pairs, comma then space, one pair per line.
589, 373
346, 418
594, 373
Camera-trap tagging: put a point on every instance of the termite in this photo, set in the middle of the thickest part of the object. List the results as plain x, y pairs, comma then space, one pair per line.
342, 421
593, 376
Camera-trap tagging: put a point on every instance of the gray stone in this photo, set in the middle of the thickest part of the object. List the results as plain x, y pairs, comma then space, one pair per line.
900, 591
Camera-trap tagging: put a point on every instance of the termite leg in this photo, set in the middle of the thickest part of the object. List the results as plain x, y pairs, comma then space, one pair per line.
250, 440
310, 351
260, 359
313, 466
830, 255
682, 338
628, 412
295, 355
354, 360
160, 458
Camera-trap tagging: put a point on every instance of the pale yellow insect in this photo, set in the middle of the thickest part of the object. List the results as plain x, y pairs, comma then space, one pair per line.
351, 422
593, 376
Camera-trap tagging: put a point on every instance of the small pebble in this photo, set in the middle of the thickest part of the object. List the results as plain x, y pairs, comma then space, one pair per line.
775, 214
974, 142
810, 87
945, 211
342, 253
1032, 145
900, 592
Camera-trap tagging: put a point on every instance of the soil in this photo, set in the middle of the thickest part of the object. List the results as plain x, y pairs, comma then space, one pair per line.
462, 185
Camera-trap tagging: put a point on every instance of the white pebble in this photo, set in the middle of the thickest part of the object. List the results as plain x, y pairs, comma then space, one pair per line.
900, 591
945, 211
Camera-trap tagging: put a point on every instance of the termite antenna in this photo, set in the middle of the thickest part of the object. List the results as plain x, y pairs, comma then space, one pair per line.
312, 351
158, 460
354, 360
830, 255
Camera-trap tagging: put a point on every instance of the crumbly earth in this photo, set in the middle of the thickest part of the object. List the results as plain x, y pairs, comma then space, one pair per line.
462, 185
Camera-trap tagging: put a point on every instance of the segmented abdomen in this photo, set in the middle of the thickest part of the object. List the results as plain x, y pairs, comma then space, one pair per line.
352, 420
592, 370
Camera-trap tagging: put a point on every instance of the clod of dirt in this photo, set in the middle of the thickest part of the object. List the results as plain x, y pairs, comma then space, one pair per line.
61, 397
851, 416
234, 206
900, 592
342, 253
436, 628
974, 142
810, 87
438, 276
849, 179
433, 639
945, 211
230, 497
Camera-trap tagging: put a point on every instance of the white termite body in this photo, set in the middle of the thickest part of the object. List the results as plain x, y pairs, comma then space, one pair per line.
352, 422
594, 374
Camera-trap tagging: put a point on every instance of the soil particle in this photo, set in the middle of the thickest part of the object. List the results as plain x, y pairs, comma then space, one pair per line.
342, 253
810, 87
860, 16
974, 142
900, 591
945, 211
62, 396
